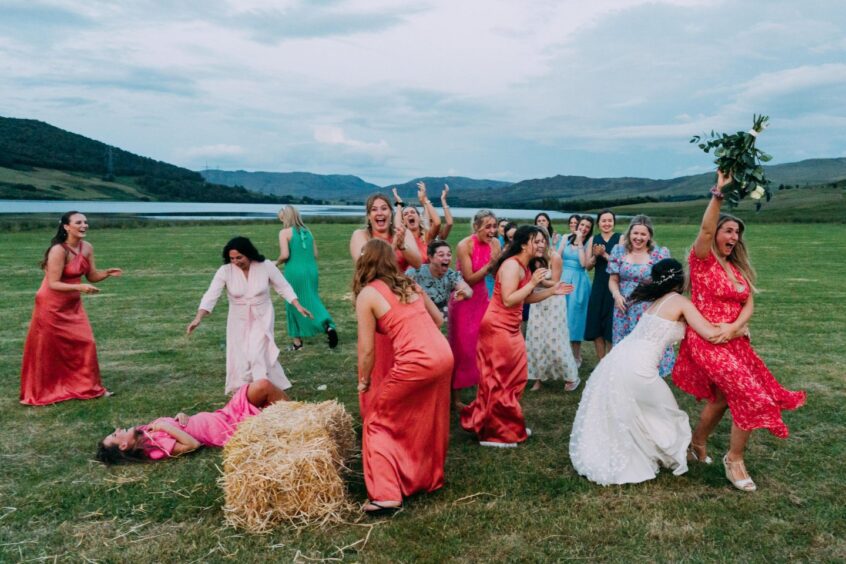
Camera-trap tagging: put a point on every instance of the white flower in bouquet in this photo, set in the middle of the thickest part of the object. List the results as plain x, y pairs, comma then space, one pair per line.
758, 192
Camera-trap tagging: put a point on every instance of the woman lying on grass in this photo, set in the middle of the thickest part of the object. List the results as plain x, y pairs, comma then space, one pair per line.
171, 436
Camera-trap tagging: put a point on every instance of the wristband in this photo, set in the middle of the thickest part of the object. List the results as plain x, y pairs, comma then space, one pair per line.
399, 204
716, 192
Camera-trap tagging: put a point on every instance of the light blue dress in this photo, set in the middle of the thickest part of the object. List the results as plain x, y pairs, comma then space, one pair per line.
577, 302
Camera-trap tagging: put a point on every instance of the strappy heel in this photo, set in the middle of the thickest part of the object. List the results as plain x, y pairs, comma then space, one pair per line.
693, 457
743, 484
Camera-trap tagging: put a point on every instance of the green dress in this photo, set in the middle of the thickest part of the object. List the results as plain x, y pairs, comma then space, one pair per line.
301, 273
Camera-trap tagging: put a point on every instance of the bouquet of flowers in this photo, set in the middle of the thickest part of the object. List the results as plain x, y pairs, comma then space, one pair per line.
737, 155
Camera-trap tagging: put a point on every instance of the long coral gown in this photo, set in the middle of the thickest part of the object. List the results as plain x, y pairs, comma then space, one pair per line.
406, 416
465, 317
754, 396
60, 356
210, 428
495, 415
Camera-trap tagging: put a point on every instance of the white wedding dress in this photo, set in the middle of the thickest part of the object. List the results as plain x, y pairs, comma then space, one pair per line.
628, 422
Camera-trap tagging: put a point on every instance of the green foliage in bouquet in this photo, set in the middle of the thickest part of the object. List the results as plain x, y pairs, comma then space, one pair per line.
737, 155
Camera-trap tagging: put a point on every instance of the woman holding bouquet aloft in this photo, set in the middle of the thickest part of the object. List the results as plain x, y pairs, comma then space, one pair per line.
728, 374
630, 263
496, 416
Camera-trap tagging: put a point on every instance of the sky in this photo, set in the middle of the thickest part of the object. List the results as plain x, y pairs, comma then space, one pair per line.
394, 90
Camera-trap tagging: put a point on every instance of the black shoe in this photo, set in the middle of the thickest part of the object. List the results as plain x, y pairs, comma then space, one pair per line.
333, 337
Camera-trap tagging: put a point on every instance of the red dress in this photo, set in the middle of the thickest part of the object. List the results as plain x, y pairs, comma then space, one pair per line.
495, 415
405, 413
754, 396
60, 357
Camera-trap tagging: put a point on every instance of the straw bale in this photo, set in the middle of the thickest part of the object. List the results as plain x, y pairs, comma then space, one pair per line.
285, 466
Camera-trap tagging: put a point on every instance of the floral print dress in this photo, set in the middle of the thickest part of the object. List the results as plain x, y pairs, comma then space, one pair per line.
631, 275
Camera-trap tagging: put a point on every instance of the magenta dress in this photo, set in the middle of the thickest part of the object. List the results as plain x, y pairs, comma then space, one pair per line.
210, 428
465, 317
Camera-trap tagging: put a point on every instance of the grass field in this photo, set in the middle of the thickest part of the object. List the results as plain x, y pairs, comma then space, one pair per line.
525, 504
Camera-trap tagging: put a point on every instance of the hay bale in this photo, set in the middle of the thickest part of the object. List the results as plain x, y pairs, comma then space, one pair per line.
285, 466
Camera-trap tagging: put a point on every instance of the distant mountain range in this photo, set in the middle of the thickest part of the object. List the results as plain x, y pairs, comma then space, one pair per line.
40, 161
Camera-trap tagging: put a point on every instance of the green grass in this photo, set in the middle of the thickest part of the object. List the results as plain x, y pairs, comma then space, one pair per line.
525, 504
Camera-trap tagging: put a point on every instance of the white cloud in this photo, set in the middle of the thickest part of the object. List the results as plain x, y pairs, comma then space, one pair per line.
331, 135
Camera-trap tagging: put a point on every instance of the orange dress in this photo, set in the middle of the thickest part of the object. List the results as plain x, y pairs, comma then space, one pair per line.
60, 357
406, 413
495, 415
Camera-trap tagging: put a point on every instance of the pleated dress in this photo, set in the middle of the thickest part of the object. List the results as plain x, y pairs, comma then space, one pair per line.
301, 273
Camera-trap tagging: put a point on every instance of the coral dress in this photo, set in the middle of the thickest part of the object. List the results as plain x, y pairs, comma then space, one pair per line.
60, 356
465, 317
495, 415
405, 414
212, 428
754, 396
301, 273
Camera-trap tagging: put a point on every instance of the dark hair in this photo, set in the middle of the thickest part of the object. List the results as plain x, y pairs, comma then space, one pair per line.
549, 229
603, 212
537, 262
508, 227
434, 245
111, 455
575, 215
61, 235
243, 246
523, 235
667, 276
572, 236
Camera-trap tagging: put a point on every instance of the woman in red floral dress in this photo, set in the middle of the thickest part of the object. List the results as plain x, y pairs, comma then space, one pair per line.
728, 373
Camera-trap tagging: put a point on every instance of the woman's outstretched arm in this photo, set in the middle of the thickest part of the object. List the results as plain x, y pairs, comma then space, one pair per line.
702, 244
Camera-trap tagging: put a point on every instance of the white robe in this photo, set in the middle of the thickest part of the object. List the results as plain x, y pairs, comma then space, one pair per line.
251, 352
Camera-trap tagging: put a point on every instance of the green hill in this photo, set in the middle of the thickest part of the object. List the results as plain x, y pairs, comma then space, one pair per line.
40, 161
326, 186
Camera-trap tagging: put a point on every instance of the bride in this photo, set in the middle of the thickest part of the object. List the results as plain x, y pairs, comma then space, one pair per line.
628, 422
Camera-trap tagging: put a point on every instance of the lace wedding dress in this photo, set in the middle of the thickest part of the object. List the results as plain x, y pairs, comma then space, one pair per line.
628, 422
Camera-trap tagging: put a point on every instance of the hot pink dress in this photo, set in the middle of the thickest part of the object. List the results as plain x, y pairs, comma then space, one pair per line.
60, 356
210, 428
464, 320
754, 396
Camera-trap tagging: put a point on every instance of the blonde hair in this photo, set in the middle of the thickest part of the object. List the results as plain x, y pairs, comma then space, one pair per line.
368, 205
480, 218
644, 221
378, 262
290, 217
739, 256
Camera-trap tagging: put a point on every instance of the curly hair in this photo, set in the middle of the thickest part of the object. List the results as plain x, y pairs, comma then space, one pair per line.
243, 246
378, 262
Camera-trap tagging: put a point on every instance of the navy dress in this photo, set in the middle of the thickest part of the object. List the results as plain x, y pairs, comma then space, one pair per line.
601, 304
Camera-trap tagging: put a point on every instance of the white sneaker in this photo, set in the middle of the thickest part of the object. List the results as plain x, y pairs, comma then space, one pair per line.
497, 445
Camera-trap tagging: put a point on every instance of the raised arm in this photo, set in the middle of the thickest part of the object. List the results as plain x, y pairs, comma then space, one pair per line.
93, 275
408, 248
398, 207
284, 247
434, 220
446, 226
702, 244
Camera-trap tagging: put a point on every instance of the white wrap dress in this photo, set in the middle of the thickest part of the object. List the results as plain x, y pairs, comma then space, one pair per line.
251, 351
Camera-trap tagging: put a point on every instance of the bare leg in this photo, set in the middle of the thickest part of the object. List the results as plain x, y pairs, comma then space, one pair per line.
600, 345
577, 351
262, 393
536, 386
711, 415
737, 445
455, 398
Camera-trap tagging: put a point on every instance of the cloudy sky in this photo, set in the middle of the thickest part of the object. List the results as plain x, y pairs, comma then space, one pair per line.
391, 90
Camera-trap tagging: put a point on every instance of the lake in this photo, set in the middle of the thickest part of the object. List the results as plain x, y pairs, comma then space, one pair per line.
218, 211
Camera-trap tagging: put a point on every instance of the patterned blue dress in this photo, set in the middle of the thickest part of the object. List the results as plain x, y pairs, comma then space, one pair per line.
577, 302
630, 276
